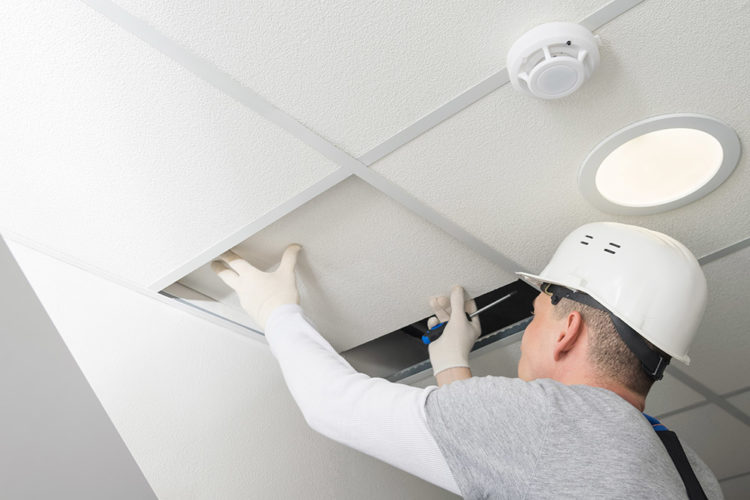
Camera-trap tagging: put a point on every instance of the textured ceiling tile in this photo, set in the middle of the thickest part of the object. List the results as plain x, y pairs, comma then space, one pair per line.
506, 167
721, 349
736, 489
722, 441
368, 266
355, 72
116, 156
741, 401
670, 394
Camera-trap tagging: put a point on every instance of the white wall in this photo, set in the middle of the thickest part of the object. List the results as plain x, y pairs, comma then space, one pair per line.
57, 441
203, 410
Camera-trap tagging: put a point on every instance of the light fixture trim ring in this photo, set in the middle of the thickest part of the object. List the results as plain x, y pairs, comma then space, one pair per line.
723, 133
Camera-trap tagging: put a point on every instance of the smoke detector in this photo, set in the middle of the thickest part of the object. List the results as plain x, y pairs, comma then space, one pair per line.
553, 60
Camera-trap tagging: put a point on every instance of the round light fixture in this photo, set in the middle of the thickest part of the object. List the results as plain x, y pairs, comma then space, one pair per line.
659, 164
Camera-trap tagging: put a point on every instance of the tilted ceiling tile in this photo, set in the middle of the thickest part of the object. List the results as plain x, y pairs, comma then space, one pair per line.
355, 72
506, 167
116, 156
722, 441
721, 348
368, 266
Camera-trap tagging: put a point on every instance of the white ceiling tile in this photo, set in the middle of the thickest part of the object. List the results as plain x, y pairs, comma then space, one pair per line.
113, 154
722, 441
368, 266
719, 353
736, 489
670, 394
506, 168
355, 72
741, 401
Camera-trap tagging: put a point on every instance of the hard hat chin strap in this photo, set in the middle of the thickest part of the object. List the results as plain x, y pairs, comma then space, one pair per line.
653, 362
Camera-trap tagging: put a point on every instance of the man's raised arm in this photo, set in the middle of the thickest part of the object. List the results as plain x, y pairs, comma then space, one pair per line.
383, 419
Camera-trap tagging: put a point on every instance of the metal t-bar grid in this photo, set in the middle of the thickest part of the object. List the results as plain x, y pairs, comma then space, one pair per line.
348, 165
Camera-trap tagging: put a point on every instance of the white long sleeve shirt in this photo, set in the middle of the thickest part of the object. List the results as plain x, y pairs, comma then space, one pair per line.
380, 418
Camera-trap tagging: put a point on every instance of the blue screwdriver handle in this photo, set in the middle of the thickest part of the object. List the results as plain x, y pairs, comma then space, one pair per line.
436, 331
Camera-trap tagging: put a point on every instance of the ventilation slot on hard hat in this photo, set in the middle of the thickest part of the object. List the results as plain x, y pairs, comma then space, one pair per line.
612, 251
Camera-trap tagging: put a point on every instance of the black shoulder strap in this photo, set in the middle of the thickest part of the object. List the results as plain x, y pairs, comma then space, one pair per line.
673, 446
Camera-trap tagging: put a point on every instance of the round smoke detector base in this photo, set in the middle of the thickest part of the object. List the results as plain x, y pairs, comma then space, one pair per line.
553, 60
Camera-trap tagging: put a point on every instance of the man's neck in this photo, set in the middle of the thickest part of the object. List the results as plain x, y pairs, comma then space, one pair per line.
631, 397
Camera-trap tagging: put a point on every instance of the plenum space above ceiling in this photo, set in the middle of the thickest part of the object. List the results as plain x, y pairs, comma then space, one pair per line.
125, 162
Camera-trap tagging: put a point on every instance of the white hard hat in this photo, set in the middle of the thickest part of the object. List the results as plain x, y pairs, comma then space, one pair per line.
649, 280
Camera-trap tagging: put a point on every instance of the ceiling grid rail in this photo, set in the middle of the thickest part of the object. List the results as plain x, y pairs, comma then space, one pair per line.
709, 394
349, 165
735, 476
593, 22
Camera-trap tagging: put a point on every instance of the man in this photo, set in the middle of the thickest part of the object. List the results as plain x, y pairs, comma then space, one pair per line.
616, 303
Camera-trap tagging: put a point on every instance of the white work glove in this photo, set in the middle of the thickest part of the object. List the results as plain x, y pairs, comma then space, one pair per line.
260, 292
452, 348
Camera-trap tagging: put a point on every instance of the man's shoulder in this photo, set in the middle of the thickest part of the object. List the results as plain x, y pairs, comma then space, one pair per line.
491, 388
532, 401
497, 396
502, 385
478, 398
705, 475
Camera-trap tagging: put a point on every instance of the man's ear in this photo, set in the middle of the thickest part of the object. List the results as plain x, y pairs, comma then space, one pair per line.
569, 335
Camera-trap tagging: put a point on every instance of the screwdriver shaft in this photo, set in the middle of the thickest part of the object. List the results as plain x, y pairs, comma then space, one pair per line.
494, 303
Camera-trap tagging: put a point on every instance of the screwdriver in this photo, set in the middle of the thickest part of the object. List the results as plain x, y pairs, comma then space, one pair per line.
436, 331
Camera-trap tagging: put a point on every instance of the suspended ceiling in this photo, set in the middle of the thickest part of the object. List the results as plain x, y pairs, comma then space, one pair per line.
142, 139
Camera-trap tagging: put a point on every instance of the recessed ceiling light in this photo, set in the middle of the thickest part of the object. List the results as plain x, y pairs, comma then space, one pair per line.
659, 164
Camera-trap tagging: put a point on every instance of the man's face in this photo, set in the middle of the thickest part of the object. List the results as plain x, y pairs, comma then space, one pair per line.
536, 348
